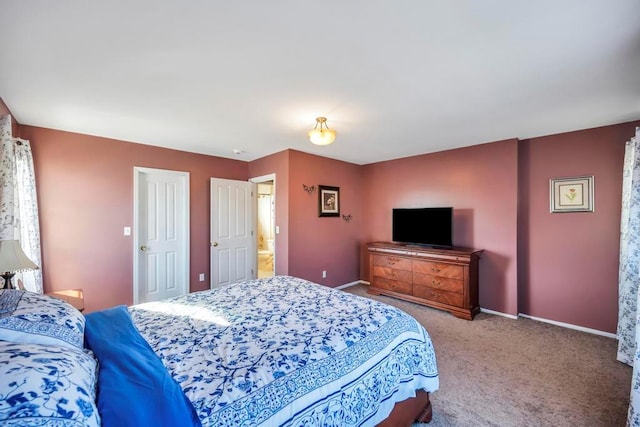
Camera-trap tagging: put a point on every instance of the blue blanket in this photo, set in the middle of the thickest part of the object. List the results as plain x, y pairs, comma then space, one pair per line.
134, 387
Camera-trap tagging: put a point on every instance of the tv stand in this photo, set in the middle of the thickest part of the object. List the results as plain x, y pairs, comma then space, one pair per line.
444, 278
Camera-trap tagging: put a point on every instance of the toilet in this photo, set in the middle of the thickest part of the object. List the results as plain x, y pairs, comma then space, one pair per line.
265, 256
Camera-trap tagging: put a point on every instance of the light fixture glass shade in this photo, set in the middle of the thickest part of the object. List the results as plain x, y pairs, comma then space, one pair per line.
13, 259
321, 134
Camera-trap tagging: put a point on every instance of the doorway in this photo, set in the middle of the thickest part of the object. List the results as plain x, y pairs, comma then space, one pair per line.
266, 225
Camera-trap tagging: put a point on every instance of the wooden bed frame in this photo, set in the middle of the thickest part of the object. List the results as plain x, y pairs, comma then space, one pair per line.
407, 412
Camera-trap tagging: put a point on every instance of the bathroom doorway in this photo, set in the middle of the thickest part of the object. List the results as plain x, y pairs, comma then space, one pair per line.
266, 218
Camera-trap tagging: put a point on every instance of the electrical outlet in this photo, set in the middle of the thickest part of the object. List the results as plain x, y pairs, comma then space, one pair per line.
202, 277
324, 274
127, 231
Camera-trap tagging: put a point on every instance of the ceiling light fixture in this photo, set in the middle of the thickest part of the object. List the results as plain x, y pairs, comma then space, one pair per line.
321, 134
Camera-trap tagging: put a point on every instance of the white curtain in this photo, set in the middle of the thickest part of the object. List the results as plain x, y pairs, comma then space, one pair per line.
629, 274
18, 202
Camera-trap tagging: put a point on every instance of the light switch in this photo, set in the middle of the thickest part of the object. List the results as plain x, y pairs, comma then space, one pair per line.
127, 231
277, 229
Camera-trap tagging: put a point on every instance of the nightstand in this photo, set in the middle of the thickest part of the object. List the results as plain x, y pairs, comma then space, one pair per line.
75, 297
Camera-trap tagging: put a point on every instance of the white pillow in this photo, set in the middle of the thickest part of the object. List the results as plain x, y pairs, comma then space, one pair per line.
47, 385
29, 317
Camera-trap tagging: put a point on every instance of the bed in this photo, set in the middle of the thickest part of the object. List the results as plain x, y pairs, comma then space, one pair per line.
271, 352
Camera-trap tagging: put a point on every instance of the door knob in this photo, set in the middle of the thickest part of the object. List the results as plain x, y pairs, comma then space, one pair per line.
143, 248
214, 244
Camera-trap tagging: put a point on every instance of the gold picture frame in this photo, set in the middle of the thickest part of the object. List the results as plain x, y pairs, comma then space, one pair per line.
571, 194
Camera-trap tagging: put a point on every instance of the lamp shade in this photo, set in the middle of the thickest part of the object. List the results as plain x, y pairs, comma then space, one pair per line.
322, 136
12, 258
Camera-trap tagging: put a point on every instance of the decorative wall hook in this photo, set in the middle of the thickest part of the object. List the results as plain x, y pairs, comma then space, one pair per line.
347, 218
309, 189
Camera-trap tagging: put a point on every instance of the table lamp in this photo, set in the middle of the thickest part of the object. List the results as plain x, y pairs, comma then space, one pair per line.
12, 260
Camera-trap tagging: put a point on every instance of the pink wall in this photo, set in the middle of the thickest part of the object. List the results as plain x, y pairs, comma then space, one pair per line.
324, 243
569, 262
480, 182
561, 267
85, 196
555, 266
3, 108
308, 244
277, 164
14, 124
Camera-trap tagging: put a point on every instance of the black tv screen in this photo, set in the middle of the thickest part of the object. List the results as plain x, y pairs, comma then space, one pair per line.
423, 226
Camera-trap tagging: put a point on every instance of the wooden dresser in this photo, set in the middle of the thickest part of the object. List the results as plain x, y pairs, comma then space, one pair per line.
440, 278
75, 297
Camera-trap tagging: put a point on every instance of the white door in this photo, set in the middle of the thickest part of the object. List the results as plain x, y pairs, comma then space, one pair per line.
161, 239
232, 242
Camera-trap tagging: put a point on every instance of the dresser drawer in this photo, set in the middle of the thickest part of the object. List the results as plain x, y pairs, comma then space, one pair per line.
392, 261
444, 297
439, 269
391, 273
392, 285
438, 282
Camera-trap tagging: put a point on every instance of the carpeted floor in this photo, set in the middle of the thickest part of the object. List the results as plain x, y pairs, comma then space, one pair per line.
496, 371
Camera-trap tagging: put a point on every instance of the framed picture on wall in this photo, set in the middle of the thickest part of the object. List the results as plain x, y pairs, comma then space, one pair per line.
571, 194
328, 201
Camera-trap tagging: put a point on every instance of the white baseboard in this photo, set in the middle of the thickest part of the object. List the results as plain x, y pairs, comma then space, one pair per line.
498, 313
570, 326
513, 317
552, 322
348, 285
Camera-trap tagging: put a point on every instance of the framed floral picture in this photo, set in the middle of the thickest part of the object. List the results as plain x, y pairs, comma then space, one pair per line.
571, 194
328, 201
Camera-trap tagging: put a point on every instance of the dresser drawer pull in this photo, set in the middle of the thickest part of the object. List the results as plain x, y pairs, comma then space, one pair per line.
436, 282
435, 269
392, 260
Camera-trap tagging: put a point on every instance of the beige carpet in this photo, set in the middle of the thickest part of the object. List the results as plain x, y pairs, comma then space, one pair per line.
496, 371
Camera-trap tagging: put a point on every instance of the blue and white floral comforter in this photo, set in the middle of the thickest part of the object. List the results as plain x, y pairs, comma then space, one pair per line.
285, 351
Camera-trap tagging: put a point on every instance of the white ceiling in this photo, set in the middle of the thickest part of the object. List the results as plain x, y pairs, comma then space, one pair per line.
394, 78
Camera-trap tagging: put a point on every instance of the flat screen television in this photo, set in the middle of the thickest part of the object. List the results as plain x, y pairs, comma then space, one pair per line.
423, 226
